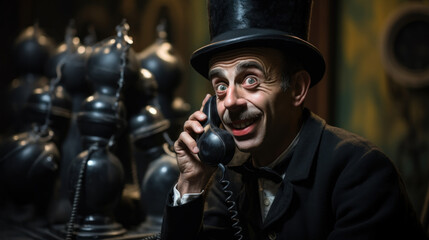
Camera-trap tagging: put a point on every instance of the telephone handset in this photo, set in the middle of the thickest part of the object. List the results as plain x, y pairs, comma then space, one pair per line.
217, 148
216, 145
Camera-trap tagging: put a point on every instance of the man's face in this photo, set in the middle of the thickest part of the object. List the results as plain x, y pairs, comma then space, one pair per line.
250, 101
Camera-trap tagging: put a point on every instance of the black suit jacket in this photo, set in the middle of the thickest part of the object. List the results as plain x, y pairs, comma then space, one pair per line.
337, 186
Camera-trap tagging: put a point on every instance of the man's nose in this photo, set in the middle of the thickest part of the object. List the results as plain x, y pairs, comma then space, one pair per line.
234, 98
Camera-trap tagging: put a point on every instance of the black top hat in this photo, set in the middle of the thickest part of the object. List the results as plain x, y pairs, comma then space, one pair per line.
282, 24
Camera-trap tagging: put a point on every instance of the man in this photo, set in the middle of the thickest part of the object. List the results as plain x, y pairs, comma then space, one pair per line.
317, 181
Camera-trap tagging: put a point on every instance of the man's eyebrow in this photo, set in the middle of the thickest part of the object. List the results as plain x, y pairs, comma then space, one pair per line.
216, 73
249, 64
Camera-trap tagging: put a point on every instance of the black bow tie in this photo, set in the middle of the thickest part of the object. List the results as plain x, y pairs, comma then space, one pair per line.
248, 170
273, 174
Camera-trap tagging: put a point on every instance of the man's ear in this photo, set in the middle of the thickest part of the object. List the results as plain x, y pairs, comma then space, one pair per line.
299, 87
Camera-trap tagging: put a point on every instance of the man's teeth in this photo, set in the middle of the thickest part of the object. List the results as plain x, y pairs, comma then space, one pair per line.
242, 124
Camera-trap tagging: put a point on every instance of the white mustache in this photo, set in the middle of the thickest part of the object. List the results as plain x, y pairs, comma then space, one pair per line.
249, 113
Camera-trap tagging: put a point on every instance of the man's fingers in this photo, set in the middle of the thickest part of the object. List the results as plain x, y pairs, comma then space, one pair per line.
193, 127
198, 116
204, 101
184, 141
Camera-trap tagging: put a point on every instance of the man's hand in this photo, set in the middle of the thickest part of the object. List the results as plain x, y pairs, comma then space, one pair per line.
194, 174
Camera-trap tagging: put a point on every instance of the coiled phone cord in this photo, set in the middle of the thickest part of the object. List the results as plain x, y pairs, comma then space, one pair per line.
230, 203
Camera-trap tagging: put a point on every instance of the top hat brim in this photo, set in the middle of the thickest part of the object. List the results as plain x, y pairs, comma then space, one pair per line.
309, 55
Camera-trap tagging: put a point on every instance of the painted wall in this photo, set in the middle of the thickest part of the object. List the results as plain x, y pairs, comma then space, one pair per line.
369, 103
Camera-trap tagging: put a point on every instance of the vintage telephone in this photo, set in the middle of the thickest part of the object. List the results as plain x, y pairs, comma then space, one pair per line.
217, 148
216, 145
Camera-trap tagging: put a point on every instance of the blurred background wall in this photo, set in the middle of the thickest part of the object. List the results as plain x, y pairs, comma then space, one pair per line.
369, 98
358, 93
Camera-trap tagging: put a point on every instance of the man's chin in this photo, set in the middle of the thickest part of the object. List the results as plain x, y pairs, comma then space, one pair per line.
246, 146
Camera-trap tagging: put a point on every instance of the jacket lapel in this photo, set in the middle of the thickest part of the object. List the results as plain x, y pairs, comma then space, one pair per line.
250, 213
281, 203
302, 159
299, 167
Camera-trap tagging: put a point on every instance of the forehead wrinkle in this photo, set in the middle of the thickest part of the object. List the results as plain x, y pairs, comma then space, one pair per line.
216, 72
248, 65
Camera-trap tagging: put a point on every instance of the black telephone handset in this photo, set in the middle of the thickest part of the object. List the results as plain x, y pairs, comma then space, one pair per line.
216, 145
217, 148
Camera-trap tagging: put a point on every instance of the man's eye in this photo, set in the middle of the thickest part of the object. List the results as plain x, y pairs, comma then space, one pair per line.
221, 87
250, 81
